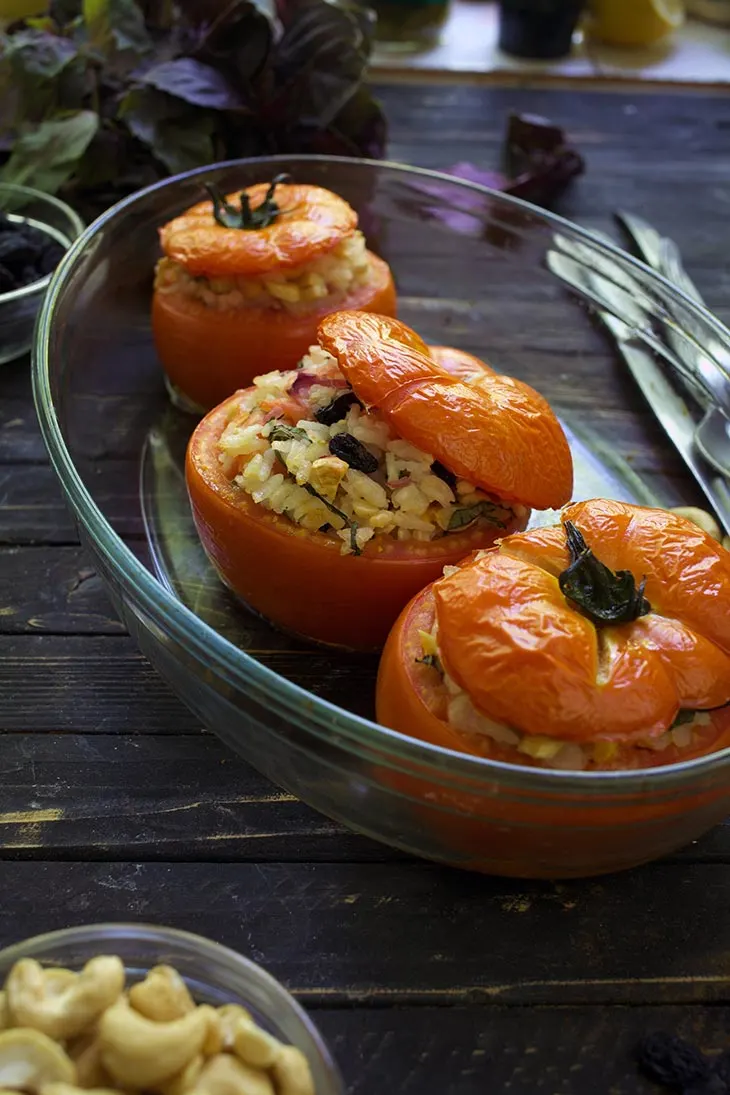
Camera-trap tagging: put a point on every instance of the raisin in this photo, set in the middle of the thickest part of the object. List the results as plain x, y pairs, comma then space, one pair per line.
353, 452
337, 409
7, 281
448, 477
721, 1066
50, 258
673, 1062
715, 1085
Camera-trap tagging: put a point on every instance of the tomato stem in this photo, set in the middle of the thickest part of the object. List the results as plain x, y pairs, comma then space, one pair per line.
605, 597
246, 218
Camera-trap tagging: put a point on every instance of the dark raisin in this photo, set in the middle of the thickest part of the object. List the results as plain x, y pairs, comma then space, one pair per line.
721, 1067
715, 1085
16, 252
443, 473
337, 409
50, 258
354, 453
7, 280
673, 1062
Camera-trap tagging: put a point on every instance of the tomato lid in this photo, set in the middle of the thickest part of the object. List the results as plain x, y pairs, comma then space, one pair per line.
492, 430
241, 235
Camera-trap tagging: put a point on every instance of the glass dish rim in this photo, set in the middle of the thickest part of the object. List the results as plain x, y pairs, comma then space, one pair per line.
145, 932
358, 735
74, 220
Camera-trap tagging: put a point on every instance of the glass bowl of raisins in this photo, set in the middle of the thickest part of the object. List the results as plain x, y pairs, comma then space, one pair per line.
36, 230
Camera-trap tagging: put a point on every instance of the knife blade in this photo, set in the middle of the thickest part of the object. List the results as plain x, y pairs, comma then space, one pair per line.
670, 409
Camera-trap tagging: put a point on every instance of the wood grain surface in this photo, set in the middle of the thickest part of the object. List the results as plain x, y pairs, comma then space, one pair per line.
118, 804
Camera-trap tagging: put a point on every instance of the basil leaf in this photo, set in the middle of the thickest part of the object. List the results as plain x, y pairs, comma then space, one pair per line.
282, 432
195, 83
116, 26
466, 515
49, 154
36, 56
179, 136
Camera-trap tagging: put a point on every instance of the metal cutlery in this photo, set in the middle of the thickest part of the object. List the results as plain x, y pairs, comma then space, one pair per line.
707, 380
640, 356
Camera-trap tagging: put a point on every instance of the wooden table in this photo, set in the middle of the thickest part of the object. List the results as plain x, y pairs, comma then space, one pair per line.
115, 804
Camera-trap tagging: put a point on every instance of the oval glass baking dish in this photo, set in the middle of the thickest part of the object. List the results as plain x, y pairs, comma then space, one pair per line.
470, 271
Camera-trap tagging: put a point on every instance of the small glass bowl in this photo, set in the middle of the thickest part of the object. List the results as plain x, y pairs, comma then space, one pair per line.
214, 974
19, 308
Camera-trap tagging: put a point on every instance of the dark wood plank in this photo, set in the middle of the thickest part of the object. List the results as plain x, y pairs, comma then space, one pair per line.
508, 1051
404, 933
155, 797
53, 589
182, 797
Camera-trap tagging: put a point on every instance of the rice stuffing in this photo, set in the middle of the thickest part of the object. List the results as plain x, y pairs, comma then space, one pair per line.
301, 445
328, 278
548, 752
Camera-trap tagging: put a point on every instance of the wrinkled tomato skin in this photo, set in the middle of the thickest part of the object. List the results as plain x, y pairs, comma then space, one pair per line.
299, 580
209, 354
531, 831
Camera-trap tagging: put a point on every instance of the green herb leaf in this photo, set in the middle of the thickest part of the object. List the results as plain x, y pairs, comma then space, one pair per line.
37, 56
49, 154
196, 83
467, 515
604, 596
282, 432
349, 523
116, 26
431, 660
179, 136
683, 717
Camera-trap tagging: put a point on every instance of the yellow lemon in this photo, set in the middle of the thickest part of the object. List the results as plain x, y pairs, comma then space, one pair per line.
633, 22
21, 9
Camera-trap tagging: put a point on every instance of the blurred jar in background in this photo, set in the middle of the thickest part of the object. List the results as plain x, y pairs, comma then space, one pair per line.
632, 23
408, 26
538, 29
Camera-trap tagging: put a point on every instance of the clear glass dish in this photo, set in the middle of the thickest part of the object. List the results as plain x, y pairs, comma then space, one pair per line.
19, 308
214, 974
470, 266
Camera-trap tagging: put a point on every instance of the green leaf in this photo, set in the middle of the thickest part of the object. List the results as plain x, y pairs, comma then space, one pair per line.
47, 155
179, 136
116, 26
282, 432
195, 83
37, 56
466, 515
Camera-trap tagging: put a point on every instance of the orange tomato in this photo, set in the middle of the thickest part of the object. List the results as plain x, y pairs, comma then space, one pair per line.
309, 223
208, 354
298, 579
492, 430
530, 659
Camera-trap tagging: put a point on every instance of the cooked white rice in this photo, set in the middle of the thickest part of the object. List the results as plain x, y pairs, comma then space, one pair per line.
294, 472
329, 278
544, 751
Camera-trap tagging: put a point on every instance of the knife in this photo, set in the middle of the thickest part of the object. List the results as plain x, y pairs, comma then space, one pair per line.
670, 409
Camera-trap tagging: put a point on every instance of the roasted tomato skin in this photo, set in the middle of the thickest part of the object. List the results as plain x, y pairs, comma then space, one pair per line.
299, 580
209, 354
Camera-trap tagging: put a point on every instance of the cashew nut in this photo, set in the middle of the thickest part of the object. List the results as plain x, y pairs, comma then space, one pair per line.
72, 1089
291, 1073
701, 518
255, 1046
228, 1016
85, 1052
140, 1053
226, 1075
162, 996
51, 1002
185, 1080
29, 1059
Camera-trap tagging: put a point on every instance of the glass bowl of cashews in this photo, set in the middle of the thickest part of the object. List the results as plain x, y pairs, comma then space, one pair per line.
123, 1009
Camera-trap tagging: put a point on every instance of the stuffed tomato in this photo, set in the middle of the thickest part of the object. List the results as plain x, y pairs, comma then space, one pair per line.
601, 644
245, 280
328, 495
